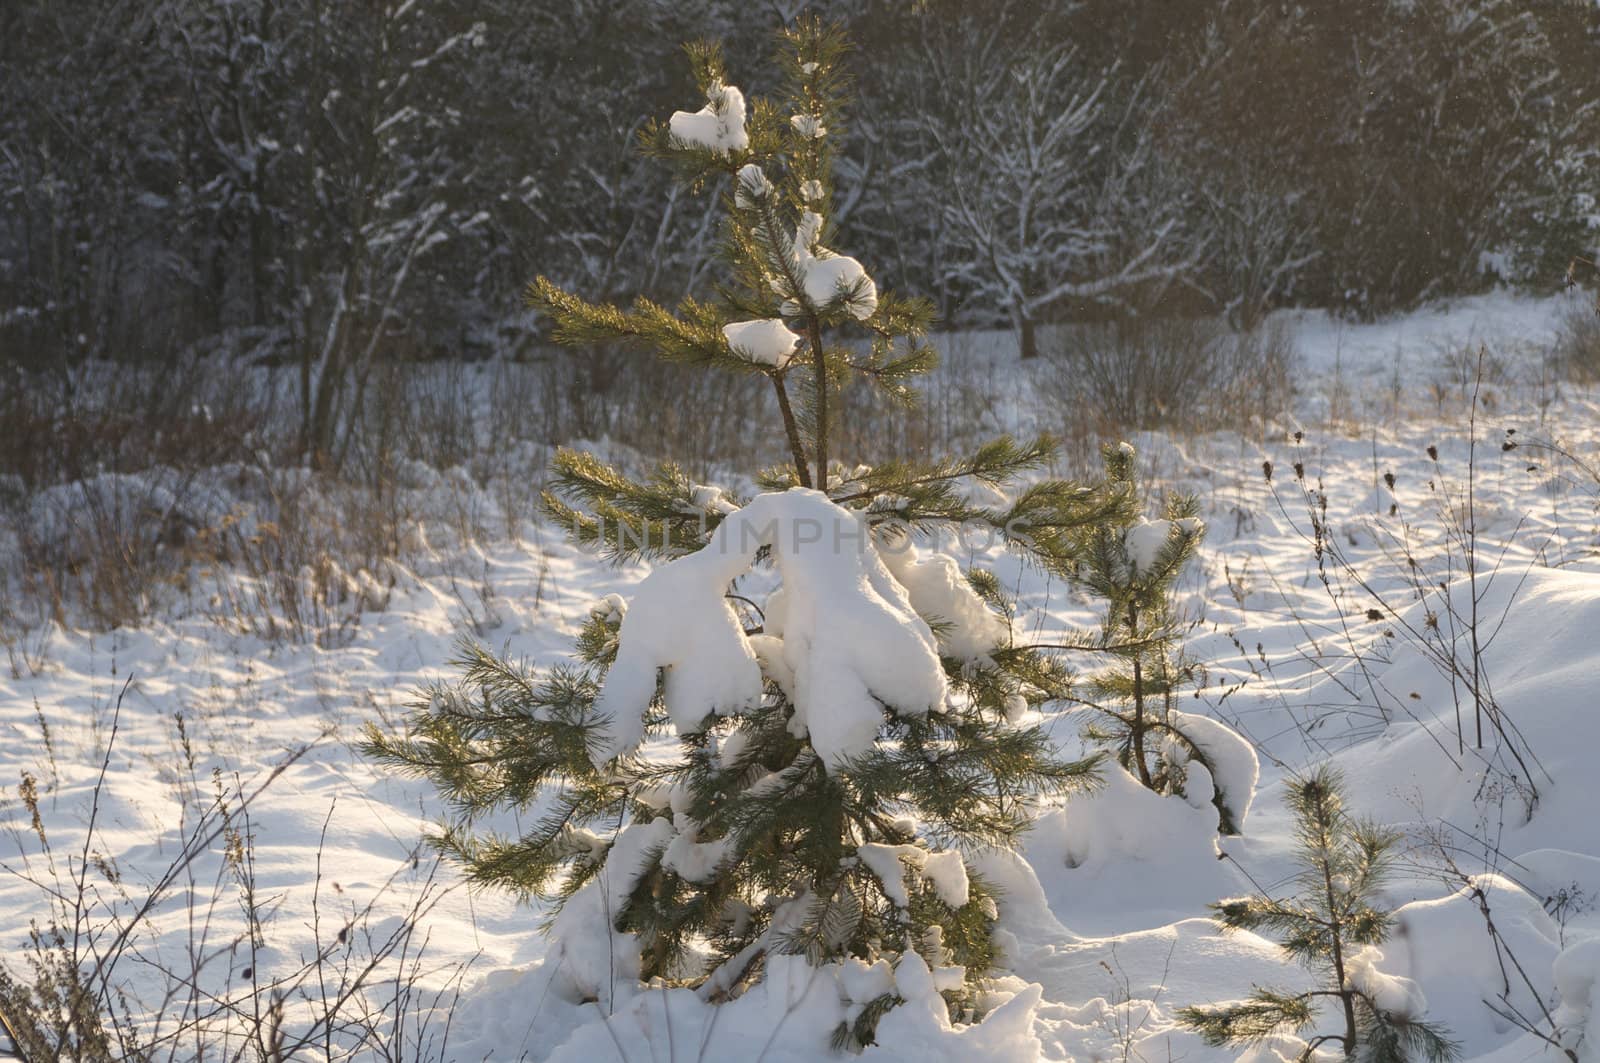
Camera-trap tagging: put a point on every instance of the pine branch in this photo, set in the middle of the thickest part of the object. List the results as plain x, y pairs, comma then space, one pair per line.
1267, 1012
692, 337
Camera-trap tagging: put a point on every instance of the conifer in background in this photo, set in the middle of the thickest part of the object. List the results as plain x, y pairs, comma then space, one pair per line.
707, 837
1333, 926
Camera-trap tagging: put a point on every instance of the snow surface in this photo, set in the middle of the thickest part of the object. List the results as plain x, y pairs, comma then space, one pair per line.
1102, 926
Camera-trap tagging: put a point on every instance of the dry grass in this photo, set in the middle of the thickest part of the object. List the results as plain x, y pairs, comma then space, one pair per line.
126, 491
1578, 341
1190, 374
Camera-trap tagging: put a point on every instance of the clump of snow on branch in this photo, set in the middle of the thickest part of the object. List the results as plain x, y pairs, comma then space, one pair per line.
968, 630
1231, 769
593, 963
850, 636
841, 636
693, 860
681, 623
1145, 540
752, 187
766, 341
708, 498
718, 126
1399, 996
809, 126
609, 608
826, 276
893, 864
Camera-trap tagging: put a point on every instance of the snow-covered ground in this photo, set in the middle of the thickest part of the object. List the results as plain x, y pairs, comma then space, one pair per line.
1361, 658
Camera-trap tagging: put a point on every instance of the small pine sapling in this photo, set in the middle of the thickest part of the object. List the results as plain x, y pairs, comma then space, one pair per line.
1132, 564
723, 779
1333, 926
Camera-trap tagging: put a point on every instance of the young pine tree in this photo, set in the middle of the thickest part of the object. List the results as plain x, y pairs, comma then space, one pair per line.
1131, 564
723, 778
1332, 926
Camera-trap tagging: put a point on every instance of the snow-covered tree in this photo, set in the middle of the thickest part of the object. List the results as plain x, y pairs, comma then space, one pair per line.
732, 770
1333, 925
1043, 159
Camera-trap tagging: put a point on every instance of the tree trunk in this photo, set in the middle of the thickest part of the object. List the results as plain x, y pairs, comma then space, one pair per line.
1025, 334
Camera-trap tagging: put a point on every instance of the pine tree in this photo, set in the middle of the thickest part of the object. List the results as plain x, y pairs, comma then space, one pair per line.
1338, 909
718, 780
1132, 564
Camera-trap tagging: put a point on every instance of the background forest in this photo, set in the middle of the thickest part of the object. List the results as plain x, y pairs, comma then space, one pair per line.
339, 181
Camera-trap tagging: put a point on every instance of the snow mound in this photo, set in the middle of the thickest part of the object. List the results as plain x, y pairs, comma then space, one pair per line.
1577, 977
1444, 946
603, 966
1561, 878
1126, 856
1283, 1048
921, 1028
789, 1017
1537, 630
